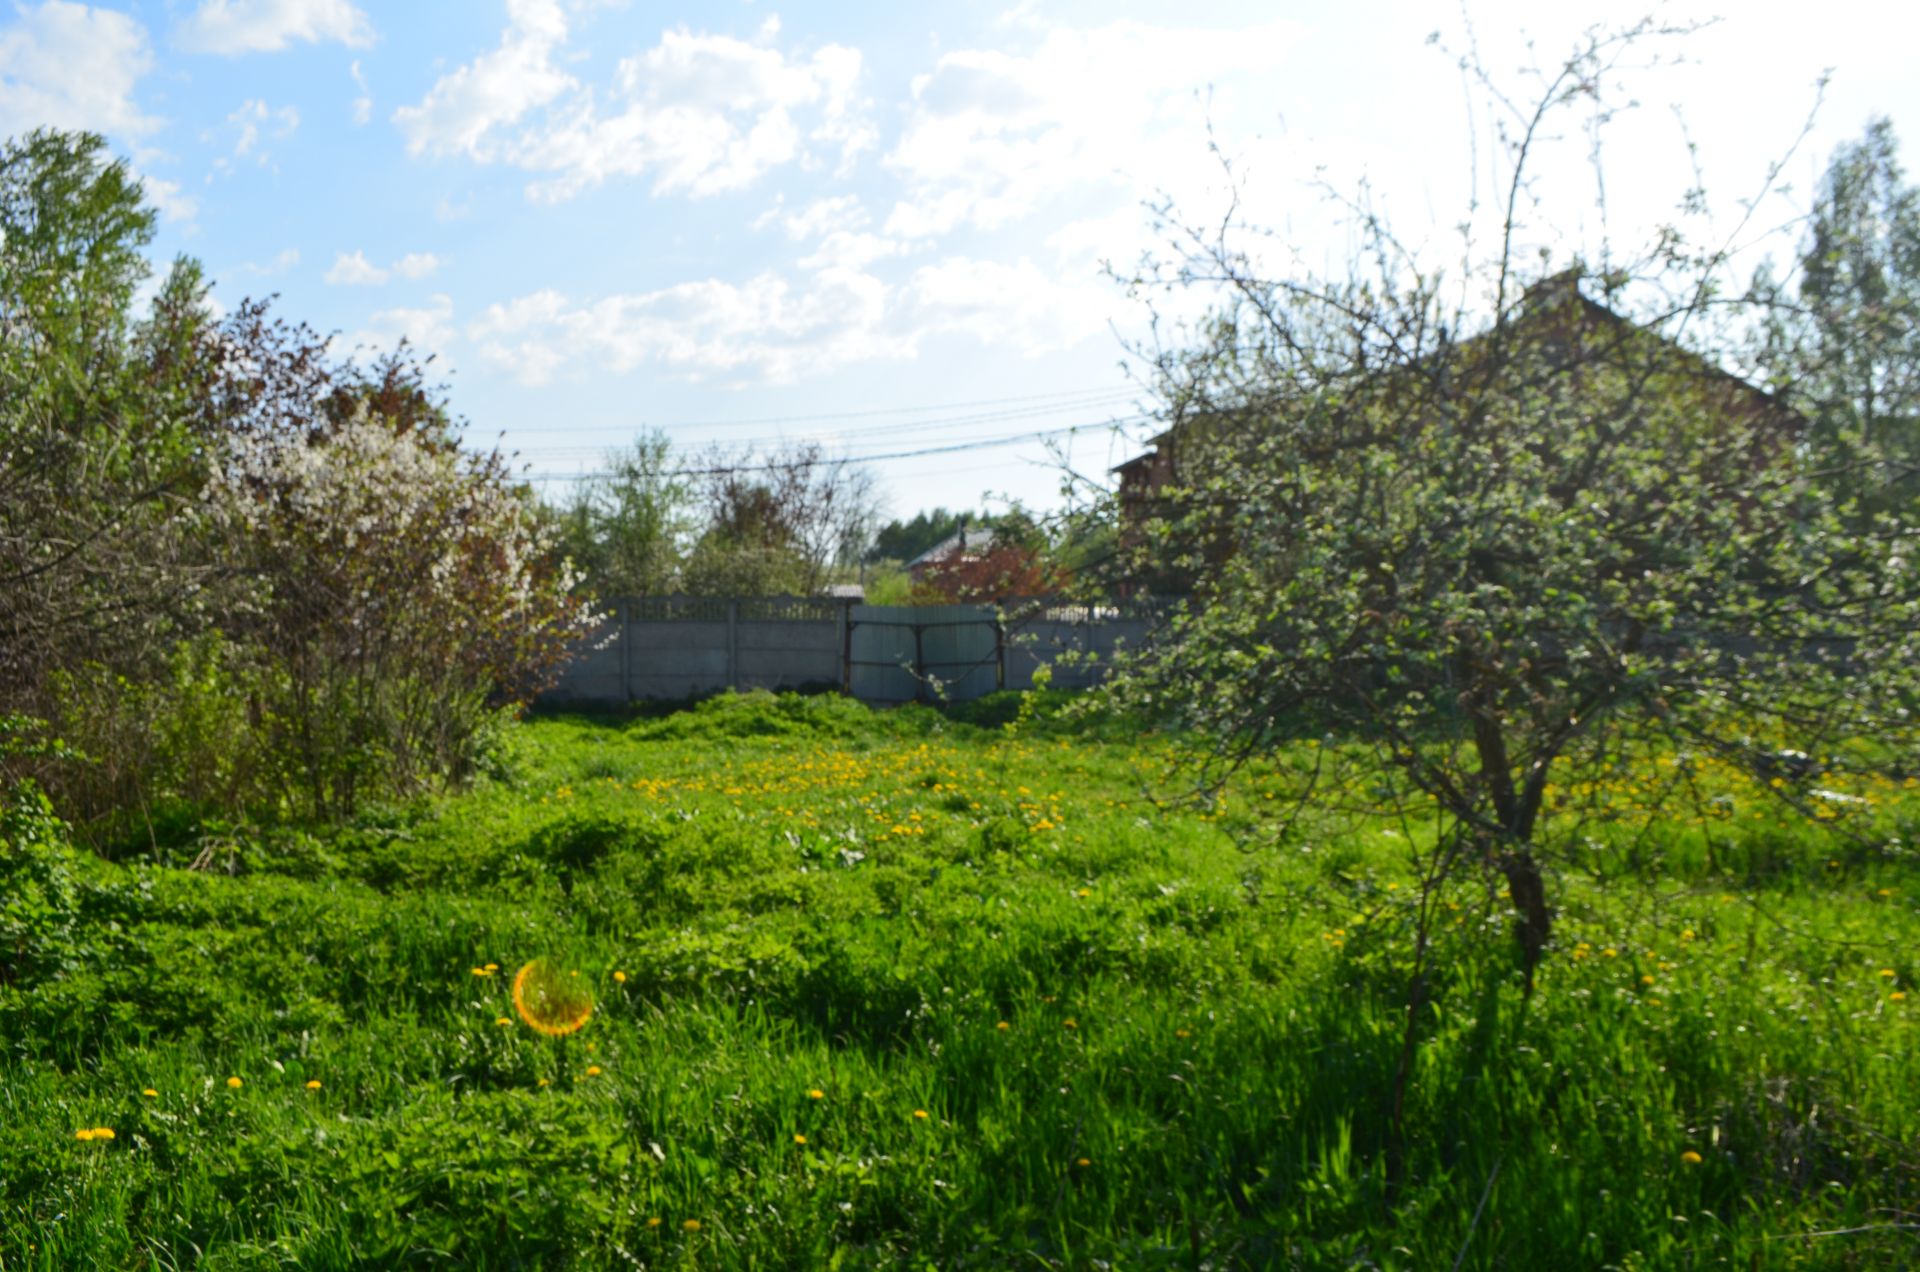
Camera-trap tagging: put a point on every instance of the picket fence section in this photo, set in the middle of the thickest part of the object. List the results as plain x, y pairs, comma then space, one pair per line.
677, 647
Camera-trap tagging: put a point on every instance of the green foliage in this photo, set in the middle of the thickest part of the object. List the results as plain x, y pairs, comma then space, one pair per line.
777, 524
723, 565
886, 586
1849, 352
627, 530
184, 741
251, 577
37, 889
97, 516
1497, 527
802, 895
404, 587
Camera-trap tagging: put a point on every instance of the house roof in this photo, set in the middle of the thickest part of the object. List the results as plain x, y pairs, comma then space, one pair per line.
1550, 292
965, 539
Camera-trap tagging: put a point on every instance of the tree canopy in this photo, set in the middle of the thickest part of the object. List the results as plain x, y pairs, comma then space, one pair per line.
235, 567
1500, 524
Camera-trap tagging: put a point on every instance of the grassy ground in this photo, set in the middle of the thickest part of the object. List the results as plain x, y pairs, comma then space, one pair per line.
891, 990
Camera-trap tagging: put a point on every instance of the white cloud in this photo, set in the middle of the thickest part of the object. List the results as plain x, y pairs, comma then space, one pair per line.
167, 197
699, 113
416, 264
1018, 306
280, 264
428, 328
850, 249
994, 134
1073, 127
65, 65
765, 328
69, 66
251, 118
355, 270
494, 90
775, 329
842, 212
265, 26
363, 104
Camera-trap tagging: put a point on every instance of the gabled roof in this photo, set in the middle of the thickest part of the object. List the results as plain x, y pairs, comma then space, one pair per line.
965, 539
1547, 294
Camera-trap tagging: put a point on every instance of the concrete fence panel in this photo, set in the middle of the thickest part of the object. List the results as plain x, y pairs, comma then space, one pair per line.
669, 648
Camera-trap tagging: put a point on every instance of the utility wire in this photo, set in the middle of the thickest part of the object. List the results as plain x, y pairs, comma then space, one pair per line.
830, 448
888, 430
728, 469
1099, 393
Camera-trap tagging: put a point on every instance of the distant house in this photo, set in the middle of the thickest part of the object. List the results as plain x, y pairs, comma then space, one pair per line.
966, 543
1556, 313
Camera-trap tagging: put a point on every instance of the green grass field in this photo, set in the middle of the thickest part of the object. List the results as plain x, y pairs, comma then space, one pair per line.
895, 990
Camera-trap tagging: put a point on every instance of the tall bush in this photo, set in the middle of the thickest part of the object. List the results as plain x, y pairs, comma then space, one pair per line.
401, 589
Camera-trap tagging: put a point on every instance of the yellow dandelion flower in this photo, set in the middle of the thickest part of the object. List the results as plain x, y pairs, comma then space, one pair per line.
313, 1084
1691, 1158
1183, 1033
1887, 972
481, 971
920, 1114
492, 968
691, 1225
503, 1020
619, 978
1083, 1161
654, 1222
593, 1070
1647, 979
84, 1133
1084, 892
799, 1139
1898, 996
1003, 1026
1070, 1023
546, 1082
816, 1094
552, 1004
234, 1083
150, 1093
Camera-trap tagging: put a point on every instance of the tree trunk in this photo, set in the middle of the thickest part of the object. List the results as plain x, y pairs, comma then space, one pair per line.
1535, 922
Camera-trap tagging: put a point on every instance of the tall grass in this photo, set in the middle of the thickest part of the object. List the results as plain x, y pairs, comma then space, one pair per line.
1136, 1041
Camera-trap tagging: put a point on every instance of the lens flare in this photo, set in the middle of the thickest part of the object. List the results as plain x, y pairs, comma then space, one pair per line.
549, 1000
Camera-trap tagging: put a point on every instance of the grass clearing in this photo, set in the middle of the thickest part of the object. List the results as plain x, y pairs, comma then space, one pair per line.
893, 990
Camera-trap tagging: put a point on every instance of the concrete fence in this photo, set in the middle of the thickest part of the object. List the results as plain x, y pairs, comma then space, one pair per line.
682, 647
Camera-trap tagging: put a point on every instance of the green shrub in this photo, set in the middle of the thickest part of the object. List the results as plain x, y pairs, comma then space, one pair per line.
37, 892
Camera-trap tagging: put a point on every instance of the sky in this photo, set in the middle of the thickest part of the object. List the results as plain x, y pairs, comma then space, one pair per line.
890, 228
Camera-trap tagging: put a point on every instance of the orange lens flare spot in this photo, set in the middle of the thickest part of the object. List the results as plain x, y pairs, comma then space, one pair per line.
549, 1000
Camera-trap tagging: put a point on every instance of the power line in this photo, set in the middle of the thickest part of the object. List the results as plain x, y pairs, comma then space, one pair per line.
892, 429
887, 435
853, 450
1093, 393
727, 469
